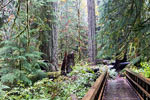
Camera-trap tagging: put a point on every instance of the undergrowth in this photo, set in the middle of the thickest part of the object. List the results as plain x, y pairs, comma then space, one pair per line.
77, 82
144, 70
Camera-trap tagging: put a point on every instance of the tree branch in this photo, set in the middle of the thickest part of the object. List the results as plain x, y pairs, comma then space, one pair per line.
5, 5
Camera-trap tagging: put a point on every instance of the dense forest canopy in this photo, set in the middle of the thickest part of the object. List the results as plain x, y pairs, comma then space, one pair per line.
125, 26
37, 37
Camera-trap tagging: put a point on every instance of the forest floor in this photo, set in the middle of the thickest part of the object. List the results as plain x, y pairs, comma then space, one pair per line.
119, 89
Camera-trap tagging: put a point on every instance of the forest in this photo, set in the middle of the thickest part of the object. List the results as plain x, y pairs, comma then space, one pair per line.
60, 49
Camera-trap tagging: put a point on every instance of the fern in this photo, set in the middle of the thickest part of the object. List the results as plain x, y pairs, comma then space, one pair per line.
8, 78
17, 62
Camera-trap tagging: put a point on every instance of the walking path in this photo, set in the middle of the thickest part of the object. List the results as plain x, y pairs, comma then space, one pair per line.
119, 89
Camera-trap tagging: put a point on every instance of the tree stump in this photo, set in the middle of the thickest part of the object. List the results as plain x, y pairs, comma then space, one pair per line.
68, 63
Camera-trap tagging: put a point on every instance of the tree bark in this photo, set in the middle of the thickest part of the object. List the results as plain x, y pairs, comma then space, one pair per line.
78, 26
91, 31
54, 40
49, 38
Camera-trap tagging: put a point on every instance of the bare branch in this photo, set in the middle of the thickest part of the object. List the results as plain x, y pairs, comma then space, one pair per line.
5, 5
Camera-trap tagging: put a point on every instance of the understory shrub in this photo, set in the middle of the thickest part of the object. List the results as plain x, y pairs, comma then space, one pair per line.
17, 62
112, 73
145, 69
77, 82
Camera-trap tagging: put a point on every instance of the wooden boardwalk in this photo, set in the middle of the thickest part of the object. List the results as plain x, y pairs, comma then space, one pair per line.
119, 89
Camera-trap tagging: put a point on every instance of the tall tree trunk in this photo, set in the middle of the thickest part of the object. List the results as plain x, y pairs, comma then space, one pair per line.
50, 39
54, 40
91, 31
78, 26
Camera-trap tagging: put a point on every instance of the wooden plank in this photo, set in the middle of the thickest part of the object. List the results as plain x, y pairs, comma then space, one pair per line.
146, 80
119, 89
92, 93
135, 90
103, 87
141, 88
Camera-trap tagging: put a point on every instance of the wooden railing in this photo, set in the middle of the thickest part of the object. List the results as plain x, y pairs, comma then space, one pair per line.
140, 84
96, 91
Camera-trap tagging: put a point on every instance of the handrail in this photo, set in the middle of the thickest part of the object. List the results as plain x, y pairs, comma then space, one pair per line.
96, 91
140, 84
139, 76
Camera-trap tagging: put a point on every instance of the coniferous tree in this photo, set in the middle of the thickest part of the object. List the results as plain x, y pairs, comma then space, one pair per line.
124, 27
91, 31
49, 36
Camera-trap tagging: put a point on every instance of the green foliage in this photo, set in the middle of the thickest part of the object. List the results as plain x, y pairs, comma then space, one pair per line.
144, 70
19, 41
135, 69
2, 88
124, 27
112, 73
146, 67
18, 62
78, 82
81, 79
40, 90
135, 60
72, 28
